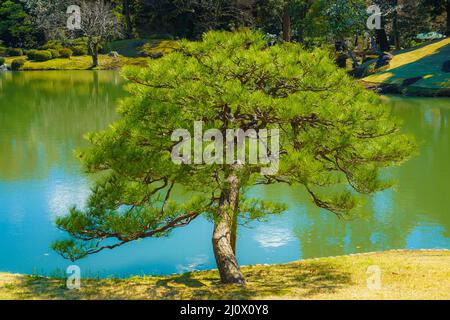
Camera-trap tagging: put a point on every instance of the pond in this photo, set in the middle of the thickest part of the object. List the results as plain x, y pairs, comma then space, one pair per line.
44, 115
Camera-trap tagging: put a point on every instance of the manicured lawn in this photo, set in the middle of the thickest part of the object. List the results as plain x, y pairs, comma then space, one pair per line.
80, 63
422, 65
404, 275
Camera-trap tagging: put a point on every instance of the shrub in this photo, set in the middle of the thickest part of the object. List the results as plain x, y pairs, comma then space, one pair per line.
55, 53
53, 44
113, 54
2, 61
15, 52
65, 53
39, 55
79, 46
158, 49
3, 51
80, 41
17, 64
79, 51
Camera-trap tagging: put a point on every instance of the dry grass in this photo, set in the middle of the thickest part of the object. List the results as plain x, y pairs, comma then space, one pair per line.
405, 275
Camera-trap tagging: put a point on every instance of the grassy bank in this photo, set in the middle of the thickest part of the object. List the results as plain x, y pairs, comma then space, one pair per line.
80, 63
418, 71
405, 275
132, 52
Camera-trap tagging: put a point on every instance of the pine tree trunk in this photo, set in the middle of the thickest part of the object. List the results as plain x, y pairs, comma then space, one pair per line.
234, 225
286, 26
222, 238
448, 18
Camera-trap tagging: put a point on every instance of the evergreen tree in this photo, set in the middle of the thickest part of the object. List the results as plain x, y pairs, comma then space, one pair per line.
335, 136
15, 27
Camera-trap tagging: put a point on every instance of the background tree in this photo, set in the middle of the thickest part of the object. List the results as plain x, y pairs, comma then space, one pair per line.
49, 18
285, 17
346, 20
440, 14
98, 24
126, 10
127, 6
448, 17
403, 20
214, 14
16, 28
162, 18
335, 136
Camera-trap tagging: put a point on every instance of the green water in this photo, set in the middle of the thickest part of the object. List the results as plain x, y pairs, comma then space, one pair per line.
44, 115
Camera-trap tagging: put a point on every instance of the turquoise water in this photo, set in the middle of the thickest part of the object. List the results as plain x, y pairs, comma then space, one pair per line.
43, 116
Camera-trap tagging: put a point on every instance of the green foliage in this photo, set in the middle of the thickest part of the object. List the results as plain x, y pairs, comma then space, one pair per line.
53, 44
39, 55
65, 53
256, 209
79, 46
345, 18
79, 50
17, 64
158, 48
68, 249
15, 25
335, 138
14, 52
79, 41
55, 53
2, 61
127, 47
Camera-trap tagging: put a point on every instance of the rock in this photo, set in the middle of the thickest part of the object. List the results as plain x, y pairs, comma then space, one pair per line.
156, 55
113, 54
446, 66
383, 60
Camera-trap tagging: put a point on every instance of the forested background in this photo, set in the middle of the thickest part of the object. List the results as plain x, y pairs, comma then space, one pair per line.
24, 23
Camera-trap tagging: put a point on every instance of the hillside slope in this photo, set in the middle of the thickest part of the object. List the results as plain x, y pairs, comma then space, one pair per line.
417, 71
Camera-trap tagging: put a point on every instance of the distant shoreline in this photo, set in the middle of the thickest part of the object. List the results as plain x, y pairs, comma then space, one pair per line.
413, 91
421, 71
77, 63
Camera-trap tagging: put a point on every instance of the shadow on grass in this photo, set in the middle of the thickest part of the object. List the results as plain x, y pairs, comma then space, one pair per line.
295, 280
425, 75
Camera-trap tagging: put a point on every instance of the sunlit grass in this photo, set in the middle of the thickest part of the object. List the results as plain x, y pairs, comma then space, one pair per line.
80, 63
404, 275
425, 62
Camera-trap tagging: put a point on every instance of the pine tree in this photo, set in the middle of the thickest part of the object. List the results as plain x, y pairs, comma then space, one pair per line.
335, 136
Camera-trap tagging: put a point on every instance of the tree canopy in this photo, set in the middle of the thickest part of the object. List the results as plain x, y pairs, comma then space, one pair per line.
30, 22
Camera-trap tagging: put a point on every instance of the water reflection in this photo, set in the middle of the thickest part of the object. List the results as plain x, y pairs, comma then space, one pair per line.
44, 115
415, 214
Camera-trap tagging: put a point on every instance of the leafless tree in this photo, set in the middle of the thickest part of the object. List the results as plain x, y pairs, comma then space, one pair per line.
98, 24
49, 16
